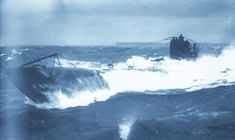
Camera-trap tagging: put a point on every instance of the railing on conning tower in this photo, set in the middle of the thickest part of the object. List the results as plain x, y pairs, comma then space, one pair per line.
37, 63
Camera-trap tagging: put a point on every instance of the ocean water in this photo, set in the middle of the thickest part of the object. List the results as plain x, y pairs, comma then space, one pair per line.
135, 99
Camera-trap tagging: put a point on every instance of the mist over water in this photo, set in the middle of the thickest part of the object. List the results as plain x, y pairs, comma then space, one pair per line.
139, 74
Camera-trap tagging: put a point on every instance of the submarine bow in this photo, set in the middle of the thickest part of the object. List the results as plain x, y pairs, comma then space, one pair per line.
37, 79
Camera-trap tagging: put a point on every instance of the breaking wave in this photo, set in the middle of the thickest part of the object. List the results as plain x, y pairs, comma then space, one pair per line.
140, 74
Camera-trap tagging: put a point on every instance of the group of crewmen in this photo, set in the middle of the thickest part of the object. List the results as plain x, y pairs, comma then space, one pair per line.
180, 48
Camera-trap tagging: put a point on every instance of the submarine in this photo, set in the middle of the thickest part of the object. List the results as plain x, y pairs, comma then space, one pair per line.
40, 78
183, 49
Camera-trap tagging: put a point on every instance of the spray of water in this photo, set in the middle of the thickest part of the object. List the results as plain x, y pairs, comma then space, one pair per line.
141, 74
125, 128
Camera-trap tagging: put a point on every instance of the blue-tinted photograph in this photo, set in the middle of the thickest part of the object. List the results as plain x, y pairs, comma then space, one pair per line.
117, 69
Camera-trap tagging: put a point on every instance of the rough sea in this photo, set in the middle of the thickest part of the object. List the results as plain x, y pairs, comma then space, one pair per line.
140, 100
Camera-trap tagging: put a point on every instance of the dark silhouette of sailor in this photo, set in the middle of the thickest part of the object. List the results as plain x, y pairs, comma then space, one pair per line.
181, 37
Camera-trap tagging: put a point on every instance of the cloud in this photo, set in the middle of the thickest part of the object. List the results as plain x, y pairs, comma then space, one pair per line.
175, 8
108, 21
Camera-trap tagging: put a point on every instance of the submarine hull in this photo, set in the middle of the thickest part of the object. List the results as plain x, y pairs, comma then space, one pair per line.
39, 82
30, 82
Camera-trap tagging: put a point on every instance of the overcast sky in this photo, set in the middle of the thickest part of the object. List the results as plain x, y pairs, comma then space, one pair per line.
105, 22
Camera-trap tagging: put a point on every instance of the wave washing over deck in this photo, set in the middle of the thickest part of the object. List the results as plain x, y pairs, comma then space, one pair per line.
80, 83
